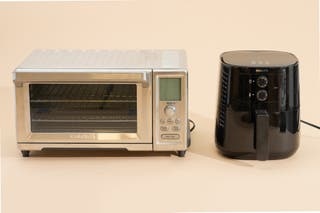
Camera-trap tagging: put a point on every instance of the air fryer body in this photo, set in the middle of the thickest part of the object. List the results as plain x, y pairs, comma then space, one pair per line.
258, 108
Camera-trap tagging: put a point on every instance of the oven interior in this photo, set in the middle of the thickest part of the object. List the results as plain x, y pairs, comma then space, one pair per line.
97, 108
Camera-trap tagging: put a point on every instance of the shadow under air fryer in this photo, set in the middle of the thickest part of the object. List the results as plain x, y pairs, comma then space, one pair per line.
258, 107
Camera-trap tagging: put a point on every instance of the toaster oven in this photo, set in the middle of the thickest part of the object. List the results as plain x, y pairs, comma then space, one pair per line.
135, 100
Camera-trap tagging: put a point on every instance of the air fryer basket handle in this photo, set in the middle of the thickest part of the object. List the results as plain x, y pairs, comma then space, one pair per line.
261, 134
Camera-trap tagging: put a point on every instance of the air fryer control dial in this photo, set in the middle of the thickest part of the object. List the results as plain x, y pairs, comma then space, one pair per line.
170, 110
262, 81
262, 95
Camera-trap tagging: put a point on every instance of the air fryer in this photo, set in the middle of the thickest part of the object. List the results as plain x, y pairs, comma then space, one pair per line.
258, 107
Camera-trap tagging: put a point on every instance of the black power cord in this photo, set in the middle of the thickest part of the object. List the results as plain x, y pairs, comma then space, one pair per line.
310, 124
302, 121
193, 125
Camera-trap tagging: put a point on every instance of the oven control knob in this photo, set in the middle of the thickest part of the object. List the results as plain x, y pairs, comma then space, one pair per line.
170, 110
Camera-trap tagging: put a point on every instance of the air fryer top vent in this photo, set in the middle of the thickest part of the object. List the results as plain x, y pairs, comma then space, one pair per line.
259, 58
223, 96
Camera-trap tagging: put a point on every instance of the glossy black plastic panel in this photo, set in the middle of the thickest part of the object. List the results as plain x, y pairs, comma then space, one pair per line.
258, 58
246, 90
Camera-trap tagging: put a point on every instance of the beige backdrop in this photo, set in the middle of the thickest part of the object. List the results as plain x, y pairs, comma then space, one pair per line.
203, 180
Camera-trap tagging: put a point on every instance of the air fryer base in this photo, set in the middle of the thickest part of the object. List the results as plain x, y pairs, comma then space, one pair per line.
253, 156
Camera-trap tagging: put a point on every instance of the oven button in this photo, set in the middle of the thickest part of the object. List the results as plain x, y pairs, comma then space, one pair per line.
170, 110
162, 121
164, 128
177, 121
170, 121
175, 128
170, 136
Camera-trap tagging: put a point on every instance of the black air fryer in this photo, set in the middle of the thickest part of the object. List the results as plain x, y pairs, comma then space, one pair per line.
258, 108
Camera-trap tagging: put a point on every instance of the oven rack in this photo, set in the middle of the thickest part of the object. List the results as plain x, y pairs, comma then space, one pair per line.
82, 101
80, 92
113, 112
82, 127
78, 115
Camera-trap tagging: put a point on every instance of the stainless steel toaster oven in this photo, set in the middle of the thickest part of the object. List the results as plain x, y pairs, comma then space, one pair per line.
132, 100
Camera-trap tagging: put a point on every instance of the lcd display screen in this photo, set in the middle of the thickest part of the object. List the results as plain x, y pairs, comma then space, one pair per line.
170, 89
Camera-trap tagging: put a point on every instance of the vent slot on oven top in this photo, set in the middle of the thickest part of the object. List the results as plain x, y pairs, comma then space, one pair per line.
223, 96
83, 108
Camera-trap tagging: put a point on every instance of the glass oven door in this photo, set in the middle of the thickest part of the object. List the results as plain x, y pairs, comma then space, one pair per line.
73, 112
84, 108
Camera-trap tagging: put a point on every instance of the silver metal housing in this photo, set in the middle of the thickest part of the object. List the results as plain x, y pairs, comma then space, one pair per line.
140, 67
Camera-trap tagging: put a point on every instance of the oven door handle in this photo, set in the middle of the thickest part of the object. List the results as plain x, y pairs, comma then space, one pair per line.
142, 76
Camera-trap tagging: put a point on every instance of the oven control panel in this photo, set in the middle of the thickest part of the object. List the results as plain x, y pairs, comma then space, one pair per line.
170, 121
170, 109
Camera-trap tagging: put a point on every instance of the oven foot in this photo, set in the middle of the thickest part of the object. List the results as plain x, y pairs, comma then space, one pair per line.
182, 153
25, 153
